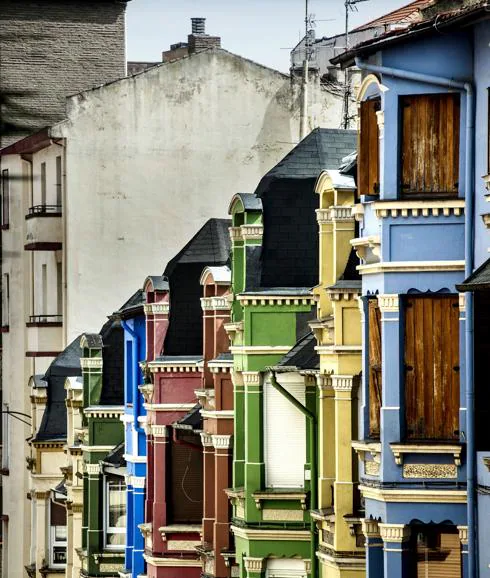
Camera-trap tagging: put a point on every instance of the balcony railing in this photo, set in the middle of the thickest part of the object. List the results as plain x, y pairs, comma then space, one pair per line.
41, 210
41, 319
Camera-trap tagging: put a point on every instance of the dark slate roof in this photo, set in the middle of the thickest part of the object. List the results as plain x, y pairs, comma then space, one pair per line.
159, 282
115, 458
209, 246
250, 201
346, 284
479, 280
323, 148
191, 421
226, 356
61, 488
66, 364
112, 335
302, 355
351, 272
93, 340
133, 306
289, 256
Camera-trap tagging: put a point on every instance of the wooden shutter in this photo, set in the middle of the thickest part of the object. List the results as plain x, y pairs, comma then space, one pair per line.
375, 384
430, 145
285, 438
432, 368
186, 479
368, 165
438, 553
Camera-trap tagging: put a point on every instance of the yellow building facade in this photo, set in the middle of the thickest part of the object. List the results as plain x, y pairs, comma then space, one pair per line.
338, 333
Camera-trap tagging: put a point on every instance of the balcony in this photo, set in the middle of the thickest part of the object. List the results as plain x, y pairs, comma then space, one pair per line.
43, 228
44, 335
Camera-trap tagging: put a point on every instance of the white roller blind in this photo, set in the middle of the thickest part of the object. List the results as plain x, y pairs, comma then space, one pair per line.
285, 435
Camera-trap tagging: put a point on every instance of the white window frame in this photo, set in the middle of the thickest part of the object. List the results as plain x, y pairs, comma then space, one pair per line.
110, 530
53, 542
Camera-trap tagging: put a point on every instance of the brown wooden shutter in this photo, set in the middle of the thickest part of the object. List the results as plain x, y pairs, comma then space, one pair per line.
430, 145
186, 479
432, 368
368, 165
438, 553
375, 384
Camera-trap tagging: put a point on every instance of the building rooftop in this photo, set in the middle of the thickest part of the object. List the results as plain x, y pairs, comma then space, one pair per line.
302, 355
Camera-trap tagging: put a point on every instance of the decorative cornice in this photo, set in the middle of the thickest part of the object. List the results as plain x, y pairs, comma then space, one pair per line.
394, 532
415, 496
220, 366
206, 440
159, 431
463, 534
252, 232
159, 562
260, 299
174, 367
264, 535
430, 471
104, 412
217, 414
161, 308
400, 449
342, 382
340, 294
410, 267
396, 209
91, 362
260, 349
251, 378
169, 406
389, 303
367, 246
221, 442
254, 564
92, 469
233, 328
146, 390
222, 303
137, 481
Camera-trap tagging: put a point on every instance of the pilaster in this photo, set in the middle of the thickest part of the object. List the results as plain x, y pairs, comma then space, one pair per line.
159, 517
239, 430
395, 549
326, 427
254, 567
222, 462
463, 538
209, 487
374, 549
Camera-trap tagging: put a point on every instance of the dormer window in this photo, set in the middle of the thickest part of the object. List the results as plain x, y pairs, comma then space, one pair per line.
368, 165
430, 146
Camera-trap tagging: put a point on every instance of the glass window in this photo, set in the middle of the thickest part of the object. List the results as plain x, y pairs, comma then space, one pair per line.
115, 512
58, 535
5, 198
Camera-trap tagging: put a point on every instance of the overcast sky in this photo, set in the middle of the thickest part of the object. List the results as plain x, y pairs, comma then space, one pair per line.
262, 30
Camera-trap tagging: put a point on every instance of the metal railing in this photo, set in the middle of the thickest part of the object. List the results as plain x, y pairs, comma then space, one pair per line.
45, 318
44, 210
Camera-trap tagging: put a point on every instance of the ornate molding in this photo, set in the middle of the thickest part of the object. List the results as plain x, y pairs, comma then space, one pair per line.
462, 302
222, 303
252, 378
161, 308
258, 299
400, 449
92, 469
463, 534
371, 468
233, 328
368, 248
137, 481
252, 232
394, 532
342, 382
159, 431
389, 303
254, 564
410, 267
430, 471
221, 442
206, 440
396, 209
91, 362
146, 390
174, 367
370, 528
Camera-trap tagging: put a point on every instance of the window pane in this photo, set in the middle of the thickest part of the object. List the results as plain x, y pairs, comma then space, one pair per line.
60, 533
117, 504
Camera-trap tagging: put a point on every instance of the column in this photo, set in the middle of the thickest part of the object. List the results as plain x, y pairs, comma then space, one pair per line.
254, 567
254, 465
374, 549
395, 549
343, 486
160, 441
463, 537
208, 493
222, 447
42, 545
392, 380
128, 557
70, 551
77, 511
326, 438
93, 507
239, 430
138, 483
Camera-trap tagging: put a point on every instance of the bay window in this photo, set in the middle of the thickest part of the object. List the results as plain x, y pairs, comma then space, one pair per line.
114, 512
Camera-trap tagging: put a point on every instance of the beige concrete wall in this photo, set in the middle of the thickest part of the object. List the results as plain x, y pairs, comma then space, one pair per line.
150, 158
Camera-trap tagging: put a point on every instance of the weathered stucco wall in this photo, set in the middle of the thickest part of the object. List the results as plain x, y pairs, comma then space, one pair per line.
151, 157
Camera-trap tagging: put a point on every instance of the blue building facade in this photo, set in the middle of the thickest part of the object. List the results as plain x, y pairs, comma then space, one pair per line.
133, 323
424, 486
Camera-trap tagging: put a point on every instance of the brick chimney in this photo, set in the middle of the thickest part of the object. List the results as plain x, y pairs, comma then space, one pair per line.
199, 40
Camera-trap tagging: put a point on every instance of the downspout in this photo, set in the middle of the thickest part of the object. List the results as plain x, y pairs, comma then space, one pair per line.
313, 461
134, 369
468, 249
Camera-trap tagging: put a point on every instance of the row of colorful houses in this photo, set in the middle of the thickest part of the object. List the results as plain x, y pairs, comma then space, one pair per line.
302, 391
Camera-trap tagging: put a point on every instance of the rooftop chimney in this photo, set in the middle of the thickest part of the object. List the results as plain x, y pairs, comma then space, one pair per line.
198, 25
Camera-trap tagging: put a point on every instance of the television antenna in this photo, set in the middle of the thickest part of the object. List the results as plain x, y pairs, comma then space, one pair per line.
350, 6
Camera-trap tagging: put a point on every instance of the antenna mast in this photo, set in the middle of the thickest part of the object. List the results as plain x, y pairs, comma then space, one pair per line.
349, 5
303, 129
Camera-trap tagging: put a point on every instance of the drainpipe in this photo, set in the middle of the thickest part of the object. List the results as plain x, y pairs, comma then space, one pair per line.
468, 249
136, 392
313, 460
